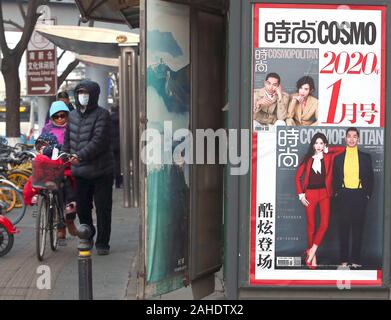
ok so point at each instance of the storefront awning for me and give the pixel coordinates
(88, 41)
(108, 62)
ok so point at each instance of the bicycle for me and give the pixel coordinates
(16, 167)
(12, 198)
(7, 232)
(48, 179)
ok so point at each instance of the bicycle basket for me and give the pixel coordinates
(47, 174)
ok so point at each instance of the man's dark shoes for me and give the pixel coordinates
(103, 251)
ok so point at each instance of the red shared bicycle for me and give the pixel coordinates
(7, 231)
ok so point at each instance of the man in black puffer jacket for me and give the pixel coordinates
(88, 139)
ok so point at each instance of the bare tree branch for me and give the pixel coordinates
(11, 62)
(61, 55)
(19, 3)
(31, 20)
(3, 42)
(12, 23)
(66, 72)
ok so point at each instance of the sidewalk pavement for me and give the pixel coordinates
(114, 276)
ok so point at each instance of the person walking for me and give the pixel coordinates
(64, 96)
(353, 185)
(88, 139)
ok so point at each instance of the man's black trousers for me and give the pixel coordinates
(100, 191)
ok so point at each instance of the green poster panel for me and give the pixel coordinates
(167, 104)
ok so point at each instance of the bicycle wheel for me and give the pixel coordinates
(25, 168)
(6, 241)
(54, 221)
(14, 203)
(18, 177)
(41, 225)
(18, 181)
(8, 197)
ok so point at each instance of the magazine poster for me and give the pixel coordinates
(317, 173)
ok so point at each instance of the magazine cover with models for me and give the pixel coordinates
(317, 200)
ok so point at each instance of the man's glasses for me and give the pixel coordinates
(60, 116)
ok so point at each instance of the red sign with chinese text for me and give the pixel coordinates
(41, 67)
(41, 72)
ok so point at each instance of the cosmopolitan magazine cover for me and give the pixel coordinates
(318, 145)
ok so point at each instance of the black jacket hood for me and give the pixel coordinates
(94, 91)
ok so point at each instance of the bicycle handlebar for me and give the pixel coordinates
(67, 156)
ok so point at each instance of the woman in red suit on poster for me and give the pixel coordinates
(314, 187)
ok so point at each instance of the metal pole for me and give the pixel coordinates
(85, 262)
(130, 125)
(125, 124)
(135, 121)
(232, 211)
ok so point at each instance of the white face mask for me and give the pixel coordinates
(84, 98)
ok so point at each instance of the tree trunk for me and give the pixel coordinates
(12, 89)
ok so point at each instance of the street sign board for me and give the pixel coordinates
(41, 67)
